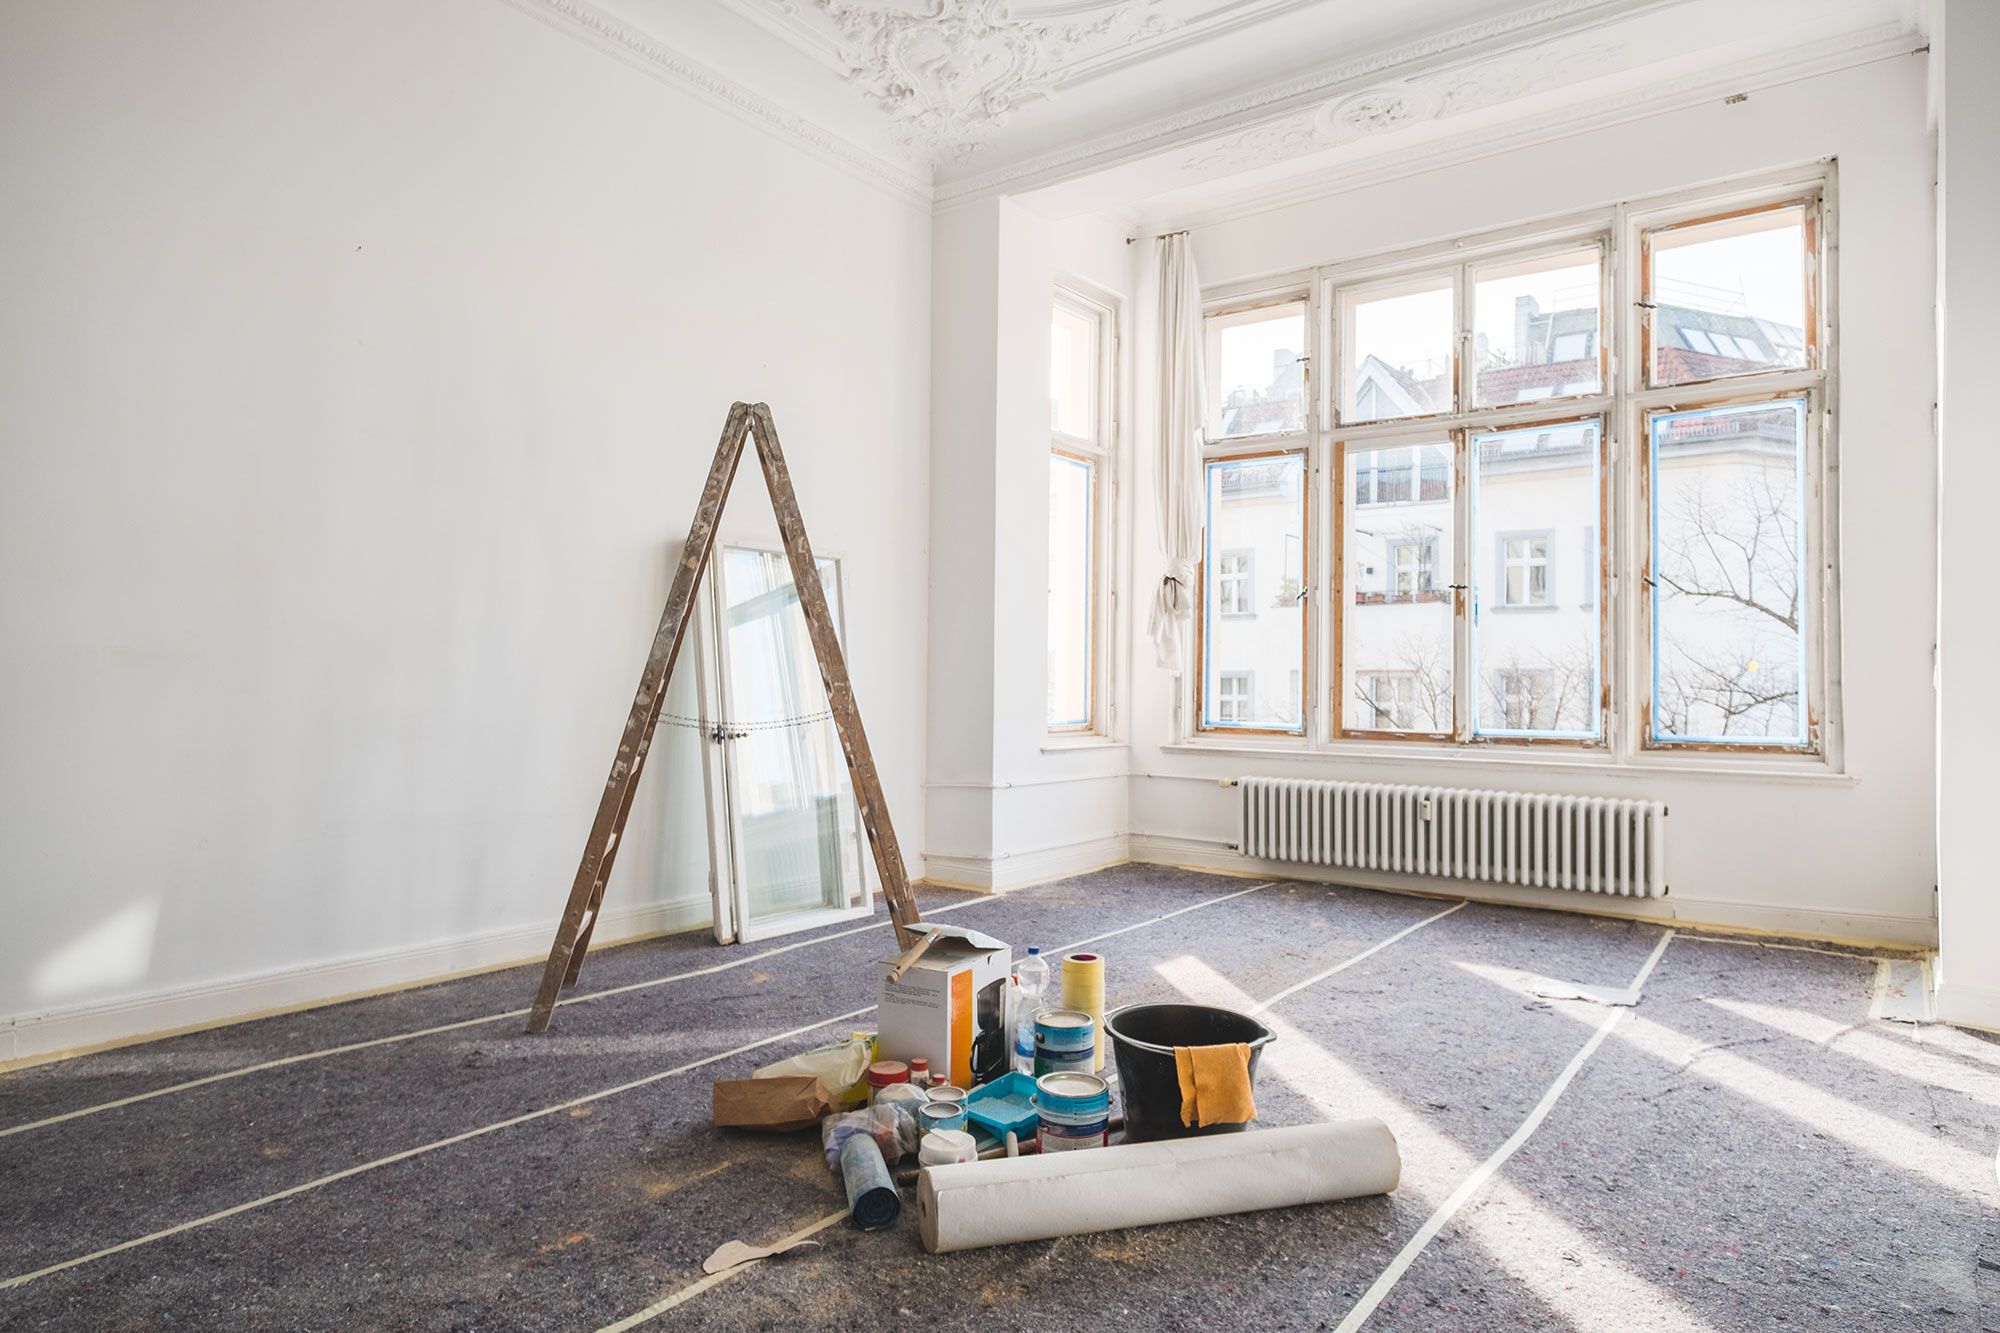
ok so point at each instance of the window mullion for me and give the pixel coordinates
(1464, 600)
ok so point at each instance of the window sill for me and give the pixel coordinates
(1417, 754)
(1063, 744)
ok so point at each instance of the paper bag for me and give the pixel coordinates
(774, 1105)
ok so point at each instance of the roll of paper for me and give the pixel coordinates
(1083, 989)
(1011, 1199)
(872, 1200)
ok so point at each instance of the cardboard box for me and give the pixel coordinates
(950, 1007)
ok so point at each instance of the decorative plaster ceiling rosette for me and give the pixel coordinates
(1378, 111)
(1382, 110)
(950, 73)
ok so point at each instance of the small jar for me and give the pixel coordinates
(883, 1074)
(920, 1072)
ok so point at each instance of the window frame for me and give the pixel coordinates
(1100, 454)
(1504, 564)
(1411, 435)
(1815, 603)
(1621, 533)
(1210, 345)
(1812, 205)
(1247, 604)
(1213, 454)
(1817, 383)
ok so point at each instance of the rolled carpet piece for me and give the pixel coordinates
(1011, 1199)
(872, 1200)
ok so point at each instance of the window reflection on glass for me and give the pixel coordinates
(1729, 296)
(1257, 371)
(1254, 640)
(1536, 634)
(1535, 329)
(1395, 594)
(1072, 374)
(1071, 578)
(1728, 565)
(1397, 348)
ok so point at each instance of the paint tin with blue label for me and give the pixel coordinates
(1065, 1042)
(1074, 1107)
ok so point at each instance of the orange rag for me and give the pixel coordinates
(1215, 1084)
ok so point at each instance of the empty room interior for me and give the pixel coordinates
(999, 664)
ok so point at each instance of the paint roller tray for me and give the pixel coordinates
(1006, 1104)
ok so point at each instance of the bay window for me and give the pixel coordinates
(1537, 539)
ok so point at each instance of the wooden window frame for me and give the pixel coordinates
(1202, 726)
(1623, 520)
(1811, 204)
(1100, 452)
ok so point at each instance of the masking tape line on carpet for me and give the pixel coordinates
(1343, 965)
(558, 1108)
(501, 1017)
(694, 1289)
(1473, 1183)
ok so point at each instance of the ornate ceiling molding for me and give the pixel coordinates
(1775, 69)
(1545, 21)
(951, 74)
(1391, 107)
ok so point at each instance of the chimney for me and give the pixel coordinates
(1526, 312)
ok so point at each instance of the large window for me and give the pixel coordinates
(1573, 476)
(1079, 454)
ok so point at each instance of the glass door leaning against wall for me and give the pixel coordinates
(785, 841)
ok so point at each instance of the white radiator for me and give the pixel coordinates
(1585, 843)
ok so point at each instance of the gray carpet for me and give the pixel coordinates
(1745, 1149)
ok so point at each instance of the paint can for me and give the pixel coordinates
(945, 1092)
(936, 1115)
(885, 1074)
(945, 1147)
(1065, 1042)
(1075, 1110)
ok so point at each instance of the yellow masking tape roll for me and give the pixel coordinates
(1083, 988)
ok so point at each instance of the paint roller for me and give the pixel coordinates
(872, 1200)
(966, 1205)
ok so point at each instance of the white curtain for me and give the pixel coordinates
(1183, 394)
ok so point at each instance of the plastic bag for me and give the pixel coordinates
(841, 1066)
(893, 1125)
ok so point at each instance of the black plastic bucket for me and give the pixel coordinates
(1143, 1037)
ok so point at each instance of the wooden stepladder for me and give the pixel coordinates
(586, 893)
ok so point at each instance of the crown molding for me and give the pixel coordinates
(1548, 20)
(649, 55)
(1828, 56)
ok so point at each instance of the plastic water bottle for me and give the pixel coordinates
(1031, 982)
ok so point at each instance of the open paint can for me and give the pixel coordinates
(936, 1115)
(1065, 1041)
(1075, 1110)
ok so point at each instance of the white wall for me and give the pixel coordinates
(1849, 856)
(1966, 39)
(1008, 804)
(359, 367)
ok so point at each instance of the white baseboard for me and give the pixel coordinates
(1016, 870)
(1819, 923)
(1967, 1006)
(38, 1036)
